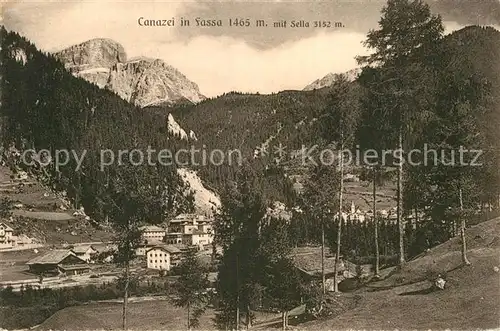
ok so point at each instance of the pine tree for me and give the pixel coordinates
(191, 288)
(237, 228)
(408, 34)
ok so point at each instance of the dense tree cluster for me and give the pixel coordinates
(45, 108)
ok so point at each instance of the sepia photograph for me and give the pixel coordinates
(249, 165)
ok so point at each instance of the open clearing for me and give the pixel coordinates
(470, 300)
(146, 315)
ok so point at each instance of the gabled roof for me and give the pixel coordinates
(82, 249)
(309, 260)
(189, 218)
(55, 256)
(153, 243)
(68, 267)
(166, 248)
(6, 227)
(151, 228)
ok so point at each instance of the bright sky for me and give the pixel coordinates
(222, 59)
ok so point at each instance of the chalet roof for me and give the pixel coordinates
(308, 259)
(67, 267)
(174, 234)
(153, 242)
(185, 216)
(6, 227)
(82, 249)
(151, 228)
(55, 256)
(180, 247)
(166, 248)
(181, 218)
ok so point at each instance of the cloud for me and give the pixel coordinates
(218, 59)
(55, 25)
(217, 63)
(222, 64)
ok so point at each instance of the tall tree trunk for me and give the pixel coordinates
(400, 203)
(465, 260)
(283, 320)
(249, 317)
(339, 232)
(375, 223)
(323, 279)
(125, 295)
(237, 293)
(77, 191)
(189, 316)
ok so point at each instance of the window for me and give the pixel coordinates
(150, 261)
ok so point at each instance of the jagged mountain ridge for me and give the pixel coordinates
(141, 81)
(328, 79)
(44, 106)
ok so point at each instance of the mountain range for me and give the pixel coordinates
(90, 116)
(329, 78)
(142, 81)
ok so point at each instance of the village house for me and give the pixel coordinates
(85, 252)
(162, 257)
(147, 245)
(190, 229)
(197, 238)
(308, 261)
(9, 240)
(6, 236)
(173, 238)
(152, 232)
(58, 261)
(354, 214)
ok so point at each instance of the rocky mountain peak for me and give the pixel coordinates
(330, 78)
(98, 52)
(142, 81)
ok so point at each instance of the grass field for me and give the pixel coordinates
(13, 264)
(147, 315)
(38, 213)
(44, 215)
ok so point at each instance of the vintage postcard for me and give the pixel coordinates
(258, 165)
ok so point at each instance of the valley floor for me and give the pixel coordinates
(470, 299)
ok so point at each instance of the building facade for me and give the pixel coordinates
(85, 252)
(153, 233)
(56, 262)
(162, 257)
(190, 229)
(6, 235)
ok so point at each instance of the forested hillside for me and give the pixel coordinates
(255, 125)
(247, 121)
(45, 107)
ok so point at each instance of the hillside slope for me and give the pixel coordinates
(470, 299)
(44, 107)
